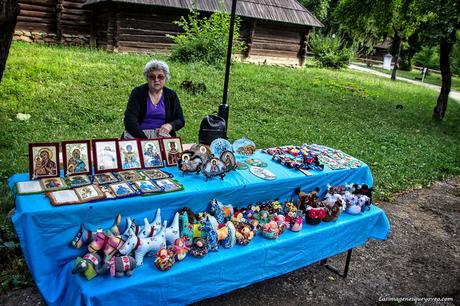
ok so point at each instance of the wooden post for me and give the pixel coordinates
(303, 46)
(59, 8)
(92, 37)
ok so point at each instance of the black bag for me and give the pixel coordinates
(212, 127)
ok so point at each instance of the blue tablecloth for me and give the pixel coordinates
(45, 232)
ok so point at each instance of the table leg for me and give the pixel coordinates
(334, 269)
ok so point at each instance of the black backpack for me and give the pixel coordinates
(212, 127)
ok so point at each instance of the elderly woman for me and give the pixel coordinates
(153, 110)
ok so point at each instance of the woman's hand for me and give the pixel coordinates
(165, 128)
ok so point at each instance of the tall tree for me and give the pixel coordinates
(370, 21)
(9, 10)
(444, 23)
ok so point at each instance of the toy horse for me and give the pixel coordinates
(142, 246)
(151, 229)
(85, 236)
(172, 232)
(131, 225)
(186, 228)
(220, 211)
(121, 265)
(108, 244)
(226, 234)
(89, 266)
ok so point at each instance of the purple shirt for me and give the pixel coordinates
(155, 115)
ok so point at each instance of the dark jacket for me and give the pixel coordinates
(137, 108)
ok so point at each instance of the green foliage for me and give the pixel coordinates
(204, 39)
(330, 51)
(76, 93)
(427, 57)
(319, 8)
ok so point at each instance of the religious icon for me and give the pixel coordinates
(105, 178)
(129, 154)
(77, 157)
(129, 175)
(155, 174)
(122, 189)
(168, 185)
(53, 183)
(146, 187)
(151, 153)
(173, 150)
(228, 158)
(78, 180)
(89, 193)
(43, 160)
(105, 153)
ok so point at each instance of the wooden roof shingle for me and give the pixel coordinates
(288, 11)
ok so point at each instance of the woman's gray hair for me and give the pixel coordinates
(156, 65)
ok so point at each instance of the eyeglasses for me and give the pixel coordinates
(159, 77)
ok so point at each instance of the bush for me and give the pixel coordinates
(330, 51)
(427, 57)
(204, 39)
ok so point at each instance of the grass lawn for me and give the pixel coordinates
(76, 93)
(430, 78)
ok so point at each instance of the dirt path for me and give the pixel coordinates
(421, 259)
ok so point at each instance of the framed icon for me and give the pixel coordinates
(76, 157)
(105, 178)
(172, 148)
(43, 160)
(129, 154)
(151, 153)
(105, 155)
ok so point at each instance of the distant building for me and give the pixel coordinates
(275, 30)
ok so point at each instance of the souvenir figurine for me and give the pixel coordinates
(363, 190)
(315, 215)
(180, 248)
(214, 167)
(244, 233)
(89, 266)
(120, 266)
(307, 199)
(199, 248)
(220, 211)
(289, 206)
(109, 244)
(263, 217)
(225, 234)
(131, 225)
(332, 211)
(296, 223)
(85, 235)
(142, 246)
(164, 259)
(270, 230)
(185, 227)
(187, 163)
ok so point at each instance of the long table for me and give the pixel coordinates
(45, 233)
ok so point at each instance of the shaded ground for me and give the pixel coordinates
(421, 259)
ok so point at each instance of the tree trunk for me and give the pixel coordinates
(397, 50)
(9, 10)
(444, 52)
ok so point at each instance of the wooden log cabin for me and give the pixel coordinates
(275, 30)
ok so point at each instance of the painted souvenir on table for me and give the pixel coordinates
(105, 155)
(104, 178)
(271, 230)
(201, 151)
(187, 163)
(199, 248)
(180, 248)
(228, 158)
(43, 160)
(262, 173)
(120, 266)
(220, 211)
(53, 183)
(151, 153)
(129, 175)
(142, 246)
(165, 259)
(225, 234)
(173, 150)
(185, 227)
(241, 166)
(169, 185)
(244, 233)
(108, 193)
(315, 215)
(89, 193)
(78, 180)
(219, 145)
(147, 187)
(85, 235)
(129, 154)
(76, 157)
(244, 146)
(122, 190)
(88, 266)
(256, 162)
(214, 167)
(156, 174)
(108, 244)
